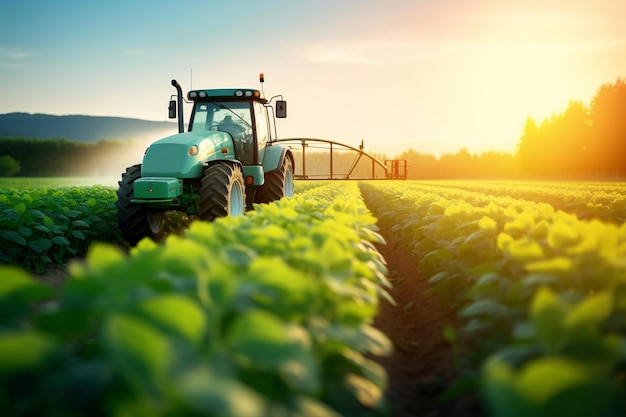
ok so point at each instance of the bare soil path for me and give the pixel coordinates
(422, 366)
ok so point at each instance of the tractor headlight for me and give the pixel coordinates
(193, 150)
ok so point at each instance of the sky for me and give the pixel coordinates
(434, 76)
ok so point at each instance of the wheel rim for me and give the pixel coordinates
(289, 184)
(236, 203)
(156, 221)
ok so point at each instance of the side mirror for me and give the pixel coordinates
(172, 109)
(281, 109)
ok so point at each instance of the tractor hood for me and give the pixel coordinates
(183, 155)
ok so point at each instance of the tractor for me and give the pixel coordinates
(223, 164)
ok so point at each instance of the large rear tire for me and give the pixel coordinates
(132, 219)
(278, 183)
(222, 192)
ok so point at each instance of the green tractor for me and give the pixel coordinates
(224, 163)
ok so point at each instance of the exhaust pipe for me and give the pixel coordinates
(181, 122)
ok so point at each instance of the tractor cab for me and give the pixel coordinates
(240, 113)
(234, 118)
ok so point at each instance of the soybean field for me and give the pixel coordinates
(370, 298)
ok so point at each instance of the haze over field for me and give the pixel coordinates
(436, 76)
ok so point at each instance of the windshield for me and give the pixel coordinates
(212, 115)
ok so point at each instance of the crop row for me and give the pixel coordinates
(541, 295)
(588, 200)
(264, 314)
(42, 225)
(45, 222)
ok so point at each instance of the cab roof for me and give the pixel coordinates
(227, 94)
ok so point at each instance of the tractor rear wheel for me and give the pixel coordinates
(222, 192)
(278, 183)
(132, 219)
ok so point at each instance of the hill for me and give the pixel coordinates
(82, 128)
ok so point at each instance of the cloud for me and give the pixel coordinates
(14, 58)
(13, 53)
(343, 52)
(376, 50)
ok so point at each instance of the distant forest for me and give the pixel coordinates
(580, 143)
(583, 142)
(64, 158)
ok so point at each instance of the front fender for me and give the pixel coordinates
(274, 156)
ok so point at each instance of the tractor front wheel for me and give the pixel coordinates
(158, 224)
(132, 218)
(222, 192)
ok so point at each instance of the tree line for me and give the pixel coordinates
(580, 142)
(65, 158)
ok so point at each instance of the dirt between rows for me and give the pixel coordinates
(421, 367)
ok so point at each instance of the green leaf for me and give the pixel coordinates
(20, 208)
(366, 392)
(562, 235)
(504, 240)
(548, 315)
(501, 392)
(37, 213)
(41, 245)
(525, 250)
(177, 314)
(439, 276)
(592, 311)
(490, 278)
(22, 351)
(18, 292)
(487, 224)
(60, 240)
(209, 394)
(307, 406)
(473, 237)
(268, 342)
(77, 234)
(80, 223)
(140, 352)
(102, 255)
(25, 231)
(272, 283)
(555, 265)
(42, 228)
(484, 307)
(546, 382)
(363, 339)
(13, 236)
